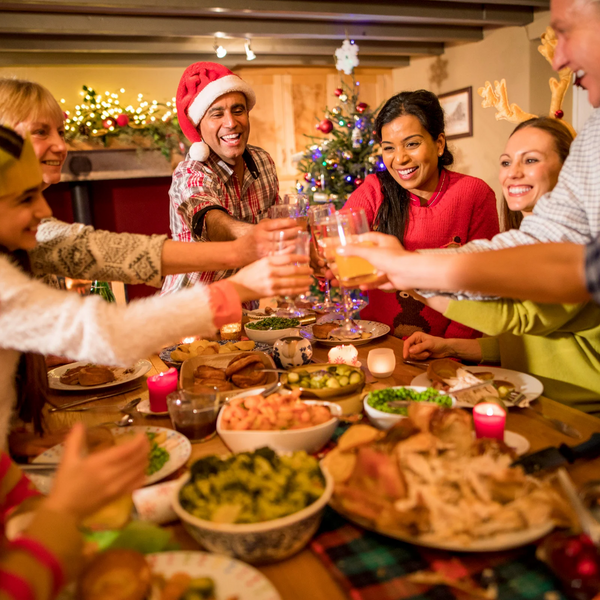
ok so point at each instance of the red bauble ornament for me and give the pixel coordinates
(107, 123)
(326, 126)
(559, 114)
(65, 115)
(122, 120)
(357, 181)
(361, 107)
(338, 92)
(307, 177)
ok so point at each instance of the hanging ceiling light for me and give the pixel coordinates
(249, 54)
(220, 51)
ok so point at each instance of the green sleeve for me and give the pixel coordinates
(490, 349)
(514, 316)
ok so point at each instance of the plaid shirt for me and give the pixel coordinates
(569, 213)
(592, 269)
(197, 185)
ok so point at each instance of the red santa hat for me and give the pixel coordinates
(200, 85)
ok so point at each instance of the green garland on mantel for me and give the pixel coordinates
(100, 121)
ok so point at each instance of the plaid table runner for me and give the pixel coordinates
(370, 566)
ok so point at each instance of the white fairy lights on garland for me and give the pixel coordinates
(100, 118)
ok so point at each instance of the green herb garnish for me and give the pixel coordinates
(380, 398)
(273, 323)
(158, 455)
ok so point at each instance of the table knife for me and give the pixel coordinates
(553, 457)
(86, 400)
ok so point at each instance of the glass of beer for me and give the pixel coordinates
(300, 201)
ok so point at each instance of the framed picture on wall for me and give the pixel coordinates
(458, 110)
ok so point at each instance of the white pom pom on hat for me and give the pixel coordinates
(199, 151)
(200, 85)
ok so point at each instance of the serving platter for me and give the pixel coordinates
(233, 578)
(495, 543)
(165, 353)
(140, 368)
(376, 329)
(178, 446)
(524, 383)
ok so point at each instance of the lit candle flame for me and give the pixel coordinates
(188, 340)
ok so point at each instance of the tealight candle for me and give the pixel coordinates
(231, 331)
(489, 420)
(381, 362)
(159, 387)
(346, 354)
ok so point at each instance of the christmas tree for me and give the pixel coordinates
(336, 165)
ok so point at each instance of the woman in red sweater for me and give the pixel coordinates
(420, 202)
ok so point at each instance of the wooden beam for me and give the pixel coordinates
(135, 26)
(399, 11)
(204, 45)
(14, 59)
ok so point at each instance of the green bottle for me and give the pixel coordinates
(103, 289)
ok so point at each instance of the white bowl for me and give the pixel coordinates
(309, 439)
(264, 542)
(270, 336)
(384, 420)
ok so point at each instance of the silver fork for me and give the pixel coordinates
(518, 398)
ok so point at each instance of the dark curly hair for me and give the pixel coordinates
(392, 217)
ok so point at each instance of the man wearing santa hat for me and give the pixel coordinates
(224, 187)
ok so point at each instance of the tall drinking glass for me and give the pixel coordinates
(316, 214)
(300, 201)
(301, 246)
(347, 229)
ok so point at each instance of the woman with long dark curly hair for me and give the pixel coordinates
(422, 203)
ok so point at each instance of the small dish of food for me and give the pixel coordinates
(386, 407)
(83, 376)
(280, 421)
(322, 333)
(271, 329)
(228, 372)
(259, 507)
(324, 380)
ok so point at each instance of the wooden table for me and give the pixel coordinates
(303, 576)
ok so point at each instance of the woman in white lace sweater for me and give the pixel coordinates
(80, 251)
(37, 319)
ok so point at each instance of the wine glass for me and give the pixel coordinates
(351, 271)
(315, 215)
(300, 245)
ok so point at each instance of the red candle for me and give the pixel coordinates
(489, 420)
(159, 387)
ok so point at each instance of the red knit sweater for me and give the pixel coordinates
(462, 209)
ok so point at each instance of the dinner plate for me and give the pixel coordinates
(233, 578)
(165, 353)
(517, 442)
(376, 329)
(140, 368)
(178, 446)
(496, 543)
(524, 383)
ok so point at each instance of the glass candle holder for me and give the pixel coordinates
(345, 354)
(489, 419)
(231, 331)
(381, 362)
(159, 387)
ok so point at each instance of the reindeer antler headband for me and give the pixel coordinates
(497, 96)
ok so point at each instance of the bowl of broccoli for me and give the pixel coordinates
(384, 416)
(257, 506)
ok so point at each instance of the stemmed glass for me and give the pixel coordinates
(316, 214)
(300, 245)
(344, 229)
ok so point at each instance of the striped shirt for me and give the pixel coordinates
(198, 185)
(569, 213)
